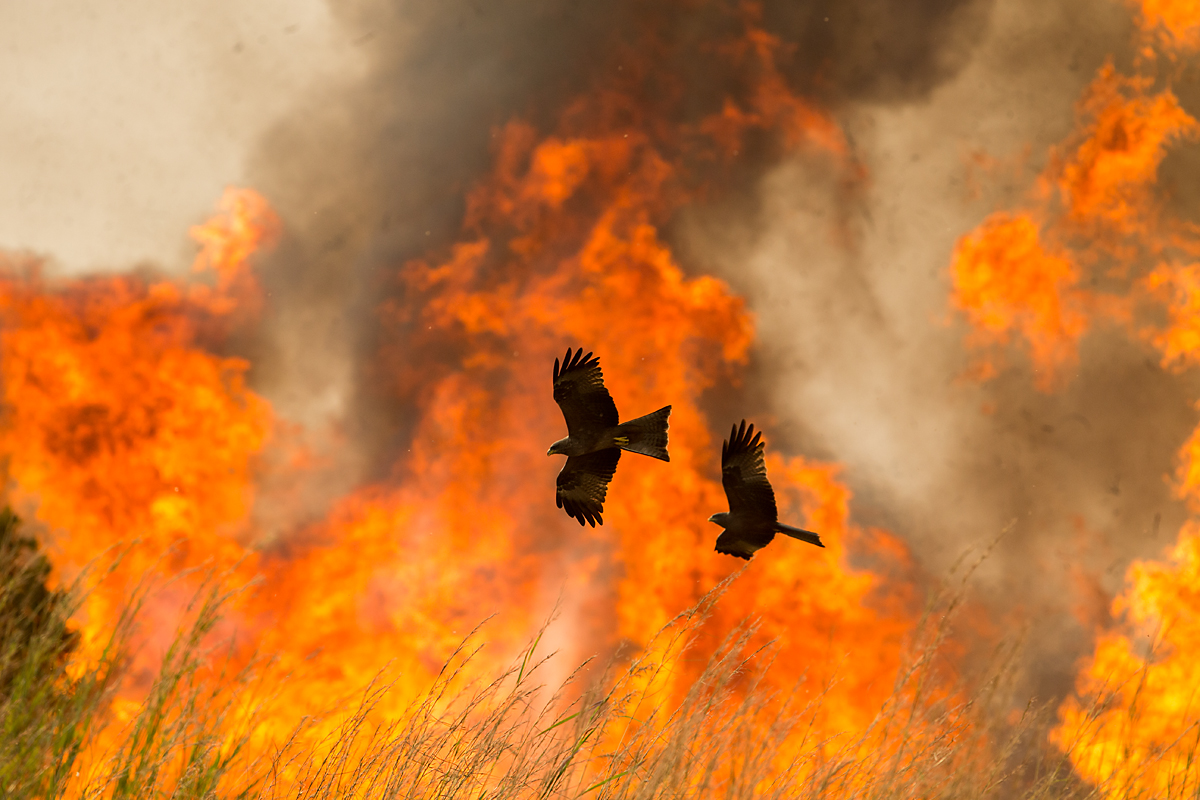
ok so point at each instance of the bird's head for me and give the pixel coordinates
(559, 448)
(719, 518)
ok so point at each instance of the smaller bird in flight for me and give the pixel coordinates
(752, 520)
(595, 437)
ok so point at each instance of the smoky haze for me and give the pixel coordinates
(858, 358)
(372, 171)
(121, 123)
(370, 120)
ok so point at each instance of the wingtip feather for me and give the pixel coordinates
(574, 358)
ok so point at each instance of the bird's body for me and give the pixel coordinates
(753, 519)
(589, 442)
(636, 436)
(596, 436)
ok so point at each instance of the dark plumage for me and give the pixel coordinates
(596, 437)
(752, 520)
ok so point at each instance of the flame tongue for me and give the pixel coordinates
(1130, 728)
(563, 249)
(123, 425)
(120, 428)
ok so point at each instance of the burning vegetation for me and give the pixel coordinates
(222, 652)
(1098, 247)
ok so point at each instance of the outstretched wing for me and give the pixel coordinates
(579, 391)
(744, 476)
(583, 483)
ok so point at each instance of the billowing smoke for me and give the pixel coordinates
(951, 109)
(371, 171)
(862, 362)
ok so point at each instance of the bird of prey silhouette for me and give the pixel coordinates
(595, 437)
(752, 520)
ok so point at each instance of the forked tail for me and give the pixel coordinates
(797, 533)
(646, 435)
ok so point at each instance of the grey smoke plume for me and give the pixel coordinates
(858, 358)
(372, 171)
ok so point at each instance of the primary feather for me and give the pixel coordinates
(580, 393)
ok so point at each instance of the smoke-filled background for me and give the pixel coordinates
(366, 125)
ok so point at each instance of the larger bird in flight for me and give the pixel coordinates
(752, 520)
(596, 437)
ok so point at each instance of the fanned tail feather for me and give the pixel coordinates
(798, 533)
(645, 435)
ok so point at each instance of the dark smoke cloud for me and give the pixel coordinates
(886, 51)
(372, 171)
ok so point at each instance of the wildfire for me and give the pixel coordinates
(124, 426)
(1134, 723)
(534, 275)
(128, 430)
(1177, 20)
(121, 427)
(1006, 281)
(1023, 273)
(1105, 182)
(1132, 726)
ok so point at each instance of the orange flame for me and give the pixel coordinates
(1134, 723)
(1105, 182)
(1180, 288)
(1006, 281)
(1131, 727)
(122, 425)
(1022, 273)
(1177, 21)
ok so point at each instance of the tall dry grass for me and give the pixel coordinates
(608, 731)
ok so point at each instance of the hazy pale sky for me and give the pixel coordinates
(121, 122)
